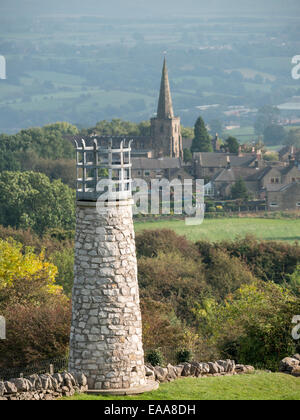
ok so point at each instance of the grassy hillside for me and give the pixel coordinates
(259, 386)
(219, 229)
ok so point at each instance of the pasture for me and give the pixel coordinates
(230, 228)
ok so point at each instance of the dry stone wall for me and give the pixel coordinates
(106, 332)
(42, 387)
(197, 369)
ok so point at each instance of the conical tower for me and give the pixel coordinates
(165, 106)
(165, 128)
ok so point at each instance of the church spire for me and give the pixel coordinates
(165, 107)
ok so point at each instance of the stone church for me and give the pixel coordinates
(166, 139)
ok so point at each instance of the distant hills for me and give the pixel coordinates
(155, 8)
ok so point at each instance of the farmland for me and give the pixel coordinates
(230, 228)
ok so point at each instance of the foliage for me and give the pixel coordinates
(155, 358)
(187, 155)
(36, 310)
(187, 132)
(239, 190)
(232, 145)
(18, 263)
(254, 325)
(183, 356)
(268, 260)
(49, 142)
(293, 138)
(201, 141)
(30, 200)
(150, 243)
(35, 332)
(294, 281)
(271, 157)
(225, 273)
(274, 134)
(173, 279)
(117, 127)
(64, 261)
(266, 116)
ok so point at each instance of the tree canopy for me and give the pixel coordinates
(201, 141)
(30, 200)
(232, 145)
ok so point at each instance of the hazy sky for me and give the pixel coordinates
(139, 8)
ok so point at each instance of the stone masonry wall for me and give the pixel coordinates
(106, 331)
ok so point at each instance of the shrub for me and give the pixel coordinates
(35, 332)
(150, 243)
(155, 358)
(254, 326)
(175, 280)
(183, 356)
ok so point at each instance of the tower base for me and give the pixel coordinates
(150, 386)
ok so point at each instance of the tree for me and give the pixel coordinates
(30, 200)
(266, 116)
(239, 190)
(187, 132)
(201, 141)
(24, 276)
(187, 155)
(293, 138)
(274, 135)
(232, 144)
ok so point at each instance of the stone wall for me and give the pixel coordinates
(42, 387)
(106, 332)
(197, 369)
(291, 365)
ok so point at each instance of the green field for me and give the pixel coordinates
(219, 229)
(259, 386)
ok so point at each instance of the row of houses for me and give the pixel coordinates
(278, 183)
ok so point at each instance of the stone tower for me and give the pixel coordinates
(165, 128)
(106, 331)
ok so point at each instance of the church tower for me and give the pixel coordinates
(165, 128)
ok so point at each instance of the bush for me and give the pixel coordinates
(155, 358)
(35, 332)
(150, 243)
(183, 356)
(254, 326)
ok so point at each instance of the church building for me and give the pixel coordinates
(165, 127)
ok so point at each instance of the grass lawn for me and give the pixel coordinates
(219, 229)
(258, 386)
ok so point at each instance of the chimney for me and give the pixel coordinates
(228, 162)
(258, 154)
